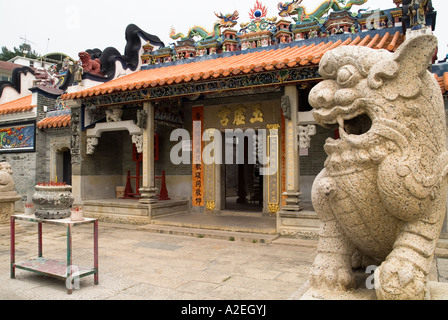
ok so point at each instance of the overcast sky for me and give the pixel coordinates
(73, 26)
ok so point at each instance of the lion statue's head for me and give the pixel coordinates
(389, 112)
(380, 102)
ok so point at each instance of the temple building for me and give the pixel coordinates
(212, 125)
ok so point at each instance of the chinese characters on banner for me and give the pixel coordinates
(273, 186)
(283, 159)
(197, 169)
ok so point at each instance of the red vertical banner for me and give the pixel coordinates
(197, 164)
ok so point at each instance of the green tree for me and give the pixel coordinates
(24, 50)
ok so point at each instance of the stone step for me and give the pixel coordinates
(168, 208)
(209, 233)
(241, 213)
(443, 243)
(263, 225)
(442, 252)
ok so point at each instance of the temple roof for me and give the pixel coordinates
(55, 122)
(297, 54)
(17, 106)
(4, 65)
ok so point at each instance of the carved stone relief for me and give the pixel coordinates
(137, 139)
(92, 142)
(75, 136)
(305, 133)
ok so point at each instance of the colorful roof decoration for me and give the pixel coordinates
(228, 66)
(55, 122)
(331, 17)
(17, 106)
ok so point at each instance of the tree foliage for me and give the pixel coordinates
(24, 50)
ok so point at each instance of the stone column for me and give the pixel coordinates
(290, 107)
(76, 143)
(148, 190)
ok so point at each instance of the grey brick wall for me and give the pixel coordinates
(51, 135)
(24, 172)
(165, 146)
(313, 163)
(108, 156)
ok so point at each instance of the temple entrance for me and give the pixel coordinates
(243, 183)
(63, 166)
(67, 166)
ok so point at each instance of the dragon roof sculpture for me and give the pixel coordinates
(225, 21)
(292, 9)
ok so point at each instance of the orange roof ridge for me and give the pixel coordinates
(355, 41)
(55, 122)
(364, 41)
(393, 43)
(373, 41)
(319, 55)
(383, 41)
(313, 53)
(19, 105)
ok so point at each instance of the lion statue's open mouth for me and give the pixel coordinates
(353, 120)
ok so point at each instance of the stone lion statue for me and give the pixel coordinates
(6, 181)
(382, 194)
(114, 114)
(90, 65)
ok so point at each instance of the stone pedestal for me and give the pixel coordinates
(148, 195)
(292, 201)
(437, 291)
(7, 204)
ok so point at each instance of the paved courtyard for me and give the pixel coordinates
(142, 265)
(136, 264)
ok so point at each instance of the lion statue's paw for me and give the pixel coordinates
(398, 279)
(331, 274)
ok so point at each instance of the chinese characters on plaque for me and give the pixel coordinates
(239, 114)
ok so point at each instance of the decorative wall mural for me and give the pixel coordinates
(18, 138)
